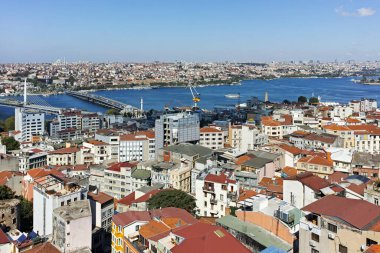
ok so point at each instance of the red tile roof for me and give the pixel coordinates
(374, 248)
(46, 247)
(291, 149)
(313, 182)
(126, 218)
(101, 197)
(65, 150)
(337, 177)
(210, 130)
(205, 238)
(147, 196)
(127, 200)
(3, 237)
(117, 166)
(289, 171)
(316, 159)
(359, 213)
(221, 179)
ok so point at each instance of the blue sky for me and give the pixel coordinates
(189, 30)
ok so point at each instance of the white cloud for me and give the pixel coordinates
(361, 12)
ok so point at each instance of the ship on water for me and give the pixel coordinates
(232, 96)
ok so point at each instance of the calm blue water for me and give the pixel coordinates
(330, 89)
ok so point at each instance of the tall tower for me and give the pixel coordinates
(266, 98)
(141, 104)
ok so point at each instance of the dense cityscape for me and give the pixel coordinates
(189, 126)
(60, 76)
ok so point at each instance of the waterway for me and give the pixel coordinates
(340, 90)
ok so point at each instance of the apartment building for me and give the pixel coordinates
(112, 138)
(337, 224)
(72, 227)
(278, 125)
(212, 138)
(139, 146)
(319, 164)
(30, 123)
(63, 156)
(176, 128)
(246, 137)
(49, 193)
(214, 194)
(10, 214)
(102, 209)
(99, 150)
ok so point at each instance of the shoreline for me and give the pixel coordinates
(149, 87)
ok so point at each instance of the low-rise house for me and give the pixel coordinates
(319, 164)
(63, 156)
(336, 223)
(303, 189)
(12, 180)
(366, 164)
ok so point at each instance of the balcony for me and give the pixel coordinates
(141, 248)
(214, 211)
(208, 189)
(213, 201)
(232, 195)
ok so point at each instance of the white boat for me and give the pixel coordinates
(232, 95)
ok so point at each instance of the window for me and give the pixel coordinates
(314, 251)
(137, 227)
(342, 249)
(369, 242)
(376, 201)
(221, 197)
(332, 228)
(314, 237)
(14, 221)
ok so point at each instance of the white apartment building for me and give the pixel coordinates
(212, 138)
(215, 193)
(122, 178)
(171, 129)
(30, 123)
(49, 193)
(341, 112)
(99, 150)
(246, 137)
(72, 226)
(140, 146)
(112, 138)
(278, 125)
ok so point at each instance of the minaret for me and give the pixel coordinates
(266, 98)
(25, 98)
(141, 104)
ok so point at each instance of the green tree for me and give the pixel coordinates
(172, 198)
(6, 193)
(10, 143)
(112, 112)
(313, 100)
(302, 99)
(9, 124)
(26, 215)
(287, 102)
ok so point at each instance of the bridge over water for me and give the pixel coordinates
(103, 101)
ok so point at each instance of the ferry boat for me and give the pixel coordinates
(232, 95)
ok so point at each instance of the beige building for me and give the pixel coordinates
(246, 137)
(211, 137)
(317, 164)
(99, 150)
(63, 156)
(337, 224)
(343, 132)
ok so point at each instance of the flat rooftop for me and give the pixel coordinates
(75, 210)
